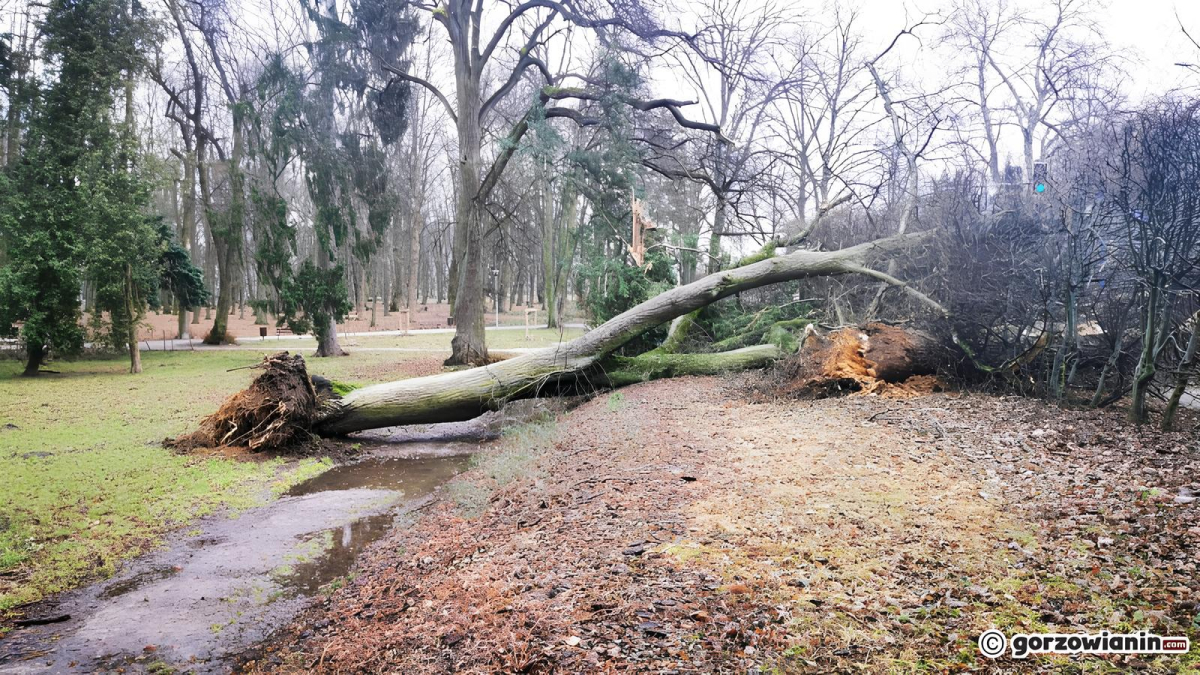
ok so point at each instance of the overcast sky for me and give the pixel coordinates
(1146, 32)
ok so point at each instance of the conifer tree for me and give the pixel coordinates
(73, 205)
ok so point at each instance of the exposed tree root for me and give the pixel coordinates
(276, 412)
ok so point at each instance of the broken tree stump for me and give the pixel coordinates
(861, 359)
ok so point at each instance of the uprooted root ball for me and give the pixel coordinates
(276, 412)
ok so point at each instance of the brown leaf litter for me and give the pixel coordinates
(680, 527)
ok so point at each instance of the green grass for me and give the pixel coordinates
(84, 480)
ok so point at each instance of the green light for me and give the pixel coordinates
(1039, 188)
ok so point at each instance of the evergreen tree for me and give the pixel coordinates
(178, 275)
(611, 172)
(73, 204)
(346, 172)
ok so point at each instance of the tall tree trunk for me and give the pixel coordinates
(1144, 373)
(371, 297)
(506, 280)
(714, 240)
(561, 256)
(549, 250)
(439, 273)
(360, 287)
(219, 333)
(35, 356)
(187, 227)
(327, 342)
(227, 237)
(469, 346)
(135, 354)
(1109, 365)
(414, 262)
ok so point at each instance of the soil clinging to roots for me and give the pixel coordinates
(276, 412)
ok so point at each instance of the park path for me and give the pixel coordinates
(673, 526)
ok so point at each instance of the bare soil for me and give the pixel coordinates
(683, 526)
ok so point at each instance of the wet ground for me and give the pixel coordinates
(227, 582)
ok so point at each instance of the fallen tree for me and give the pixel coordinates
(466, 394)
(265, 419)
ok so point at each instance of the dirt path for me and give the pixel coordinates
(677, 526)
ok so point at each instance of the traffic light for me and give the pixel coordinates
(1039, 177)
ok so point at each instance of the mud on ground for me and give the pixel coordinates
(677, 526)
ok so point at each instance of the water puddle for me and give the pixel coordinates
(415, 477)
(412, 477)
(227, 586)
(341, 549)
(137, 581)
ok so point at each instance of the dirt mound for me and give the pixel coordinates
(873, 359)
(274, 413)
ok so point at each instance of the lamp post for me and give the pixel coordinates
(496, 291)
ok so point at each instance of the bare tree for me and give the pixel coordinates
(1159, 212)
(1062, 53)
(913, 123)
(732, 71)
(520, 33)
(820, 121)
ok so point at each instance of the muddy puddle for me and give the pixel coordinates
(228, 582)
(414, 476)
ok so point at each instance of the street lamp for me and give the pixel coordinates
(496, 290)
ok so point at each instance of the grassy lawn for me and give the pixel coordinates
(84, 480)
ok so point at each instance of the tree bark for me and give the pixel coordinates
(621, 371)
(1144, 373)
(327, 343)
(135, 354)
(469, 346)
(35, 356)
(1183, 374)
(227, 237)
(465, 394)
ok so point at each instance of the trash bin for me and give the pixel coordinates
(262, 332)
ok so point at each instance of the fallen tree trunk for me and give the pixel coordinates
(621, 371)
(468, 393)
